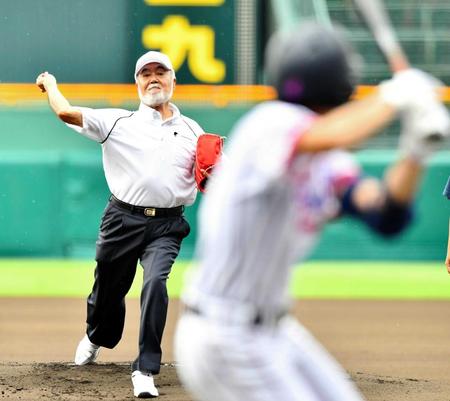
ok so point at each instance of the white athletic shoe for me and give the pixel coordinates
(86, 352)
(144, 386)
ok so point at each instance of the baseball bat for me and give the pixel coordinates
(377, 19)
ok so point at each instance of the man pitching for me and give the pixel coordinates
(148, 159)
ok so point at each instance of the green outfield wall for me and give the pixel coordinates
(53, 192)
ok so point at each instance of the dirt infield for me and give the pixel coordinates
(393, 350)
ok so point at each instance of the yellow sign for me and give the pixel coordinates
(180, 41)
(208, 3)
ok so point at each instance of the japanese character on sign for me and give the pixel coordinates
(180, 41)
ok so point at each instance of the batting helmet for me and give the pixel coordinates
(311, 65)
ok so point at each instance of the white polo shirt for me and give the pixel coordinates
(147, 161)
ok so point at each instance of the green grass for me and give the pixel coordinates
(337, 280)
(376, 280)
(64, 278)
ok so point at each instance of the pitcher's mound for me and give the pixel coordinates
(111, 381)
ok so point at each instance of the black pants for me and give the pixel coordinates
(125, 238)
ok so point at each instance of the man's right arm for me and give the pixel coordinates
(59, 104)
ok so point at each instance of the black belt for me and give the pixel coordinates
(148, 211)
(259, 318)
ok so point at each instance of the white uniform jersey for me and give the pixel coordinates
(263, 210)
(250, 237)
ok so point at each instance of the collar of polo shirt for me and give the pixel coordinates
(156, 115)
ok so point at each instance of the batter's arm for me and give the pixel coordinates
(59, 104)
(347, 125)
(410, 91)
(385, 205)
(399, 184)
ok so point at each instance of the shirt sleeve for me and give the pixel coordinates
(264, 149)
(98, 123)
(275, 154)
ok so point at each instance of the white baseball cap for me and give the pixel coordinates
(153, 57)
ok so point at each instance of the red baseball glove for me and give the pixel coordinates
(209, 150)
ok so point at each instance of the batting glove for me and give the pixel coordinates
(424, 130)
(409, 89)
